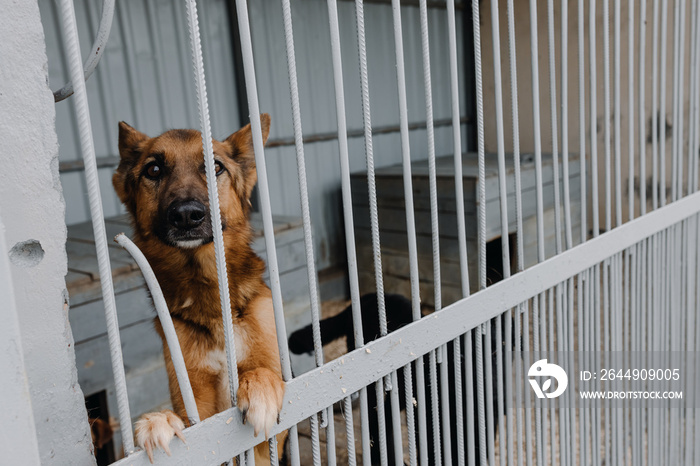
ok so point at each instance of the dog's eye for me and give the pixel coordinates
(219, 167)
(153, 170)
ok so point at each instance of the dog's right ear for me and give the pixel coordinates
(131, 142)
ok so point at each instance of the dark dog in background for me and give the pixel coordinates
(398, 314)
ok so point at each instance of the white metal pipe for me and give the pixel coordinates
(565, 120)
(71, 45)
(553, 120)
(618, 110)
(410, 218)
(166, 323)
(630, 109)
(593, 115)
(642, 107)
(265, 207)
(607, 116)
(214, 212)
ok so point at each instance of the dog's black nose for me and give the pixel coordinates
(186, 215)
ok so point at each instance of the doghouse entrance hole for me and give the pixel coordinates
(98, 416)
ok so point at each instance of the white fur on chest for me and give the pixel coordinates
(216, 361)
(216, 358)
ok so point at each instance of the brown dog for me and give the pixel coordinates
(161, 181)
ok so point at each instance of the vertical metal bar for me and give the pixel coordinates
(435, 410)
(692, 135)
(534, 57)
(597, 347)
(606, 124)
(272, 444)
(534, 54)
(219, 251)
(695, 128)
(526, 363)
(680, 87)
(519, 243)
(410, 418)
(303, 190)
(593, 115)
(469, 384)
(349, 431)
(489, 389)
(381, 422)
(71, 43)
(481, 195)
(518, 349)
(696, 419)
(264, 195)
(642, 107)
(565, 119)
(423, 8)
(552, 428)
(631, 309)
(618, 110)
(662, 106)
(630, 109)
(461, 231)
(503, 197)
(583, 421)
(571, 348)
(347, 204)
(553, 120)
(410, 217)
(691, 254)
(606, 348)
(374, 218)
(315, 440)
(560, 342)
(582, 120)
(677, 113)
(301, 174)
(539, 442)
(396, 420)
(330, 436)
(655, 108)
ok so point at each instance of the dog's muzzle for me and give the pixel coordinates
(188, 224)
(186, 215)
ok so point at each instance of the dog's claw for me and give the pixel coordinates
(164, 445)
(149, 451)
(180, 435)
(245, 415)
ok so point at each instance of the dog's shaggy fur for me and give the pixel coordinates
(161, 181)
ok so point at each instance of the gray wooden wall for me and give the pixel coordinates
(145, 79)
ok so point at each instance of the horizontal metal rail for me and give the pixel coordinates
(224, 435)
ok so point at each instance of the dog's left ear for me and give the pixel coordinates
(241, 143)
(130, 145)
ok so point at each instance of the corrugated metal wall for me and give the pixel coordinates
(144, 78)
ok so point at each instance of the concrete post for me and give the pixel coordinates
(32, 210)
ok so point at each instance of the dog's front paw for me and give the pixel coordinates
(260, 397)
(157, 429)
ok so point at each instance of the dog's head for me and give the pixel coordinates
(162, 182)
